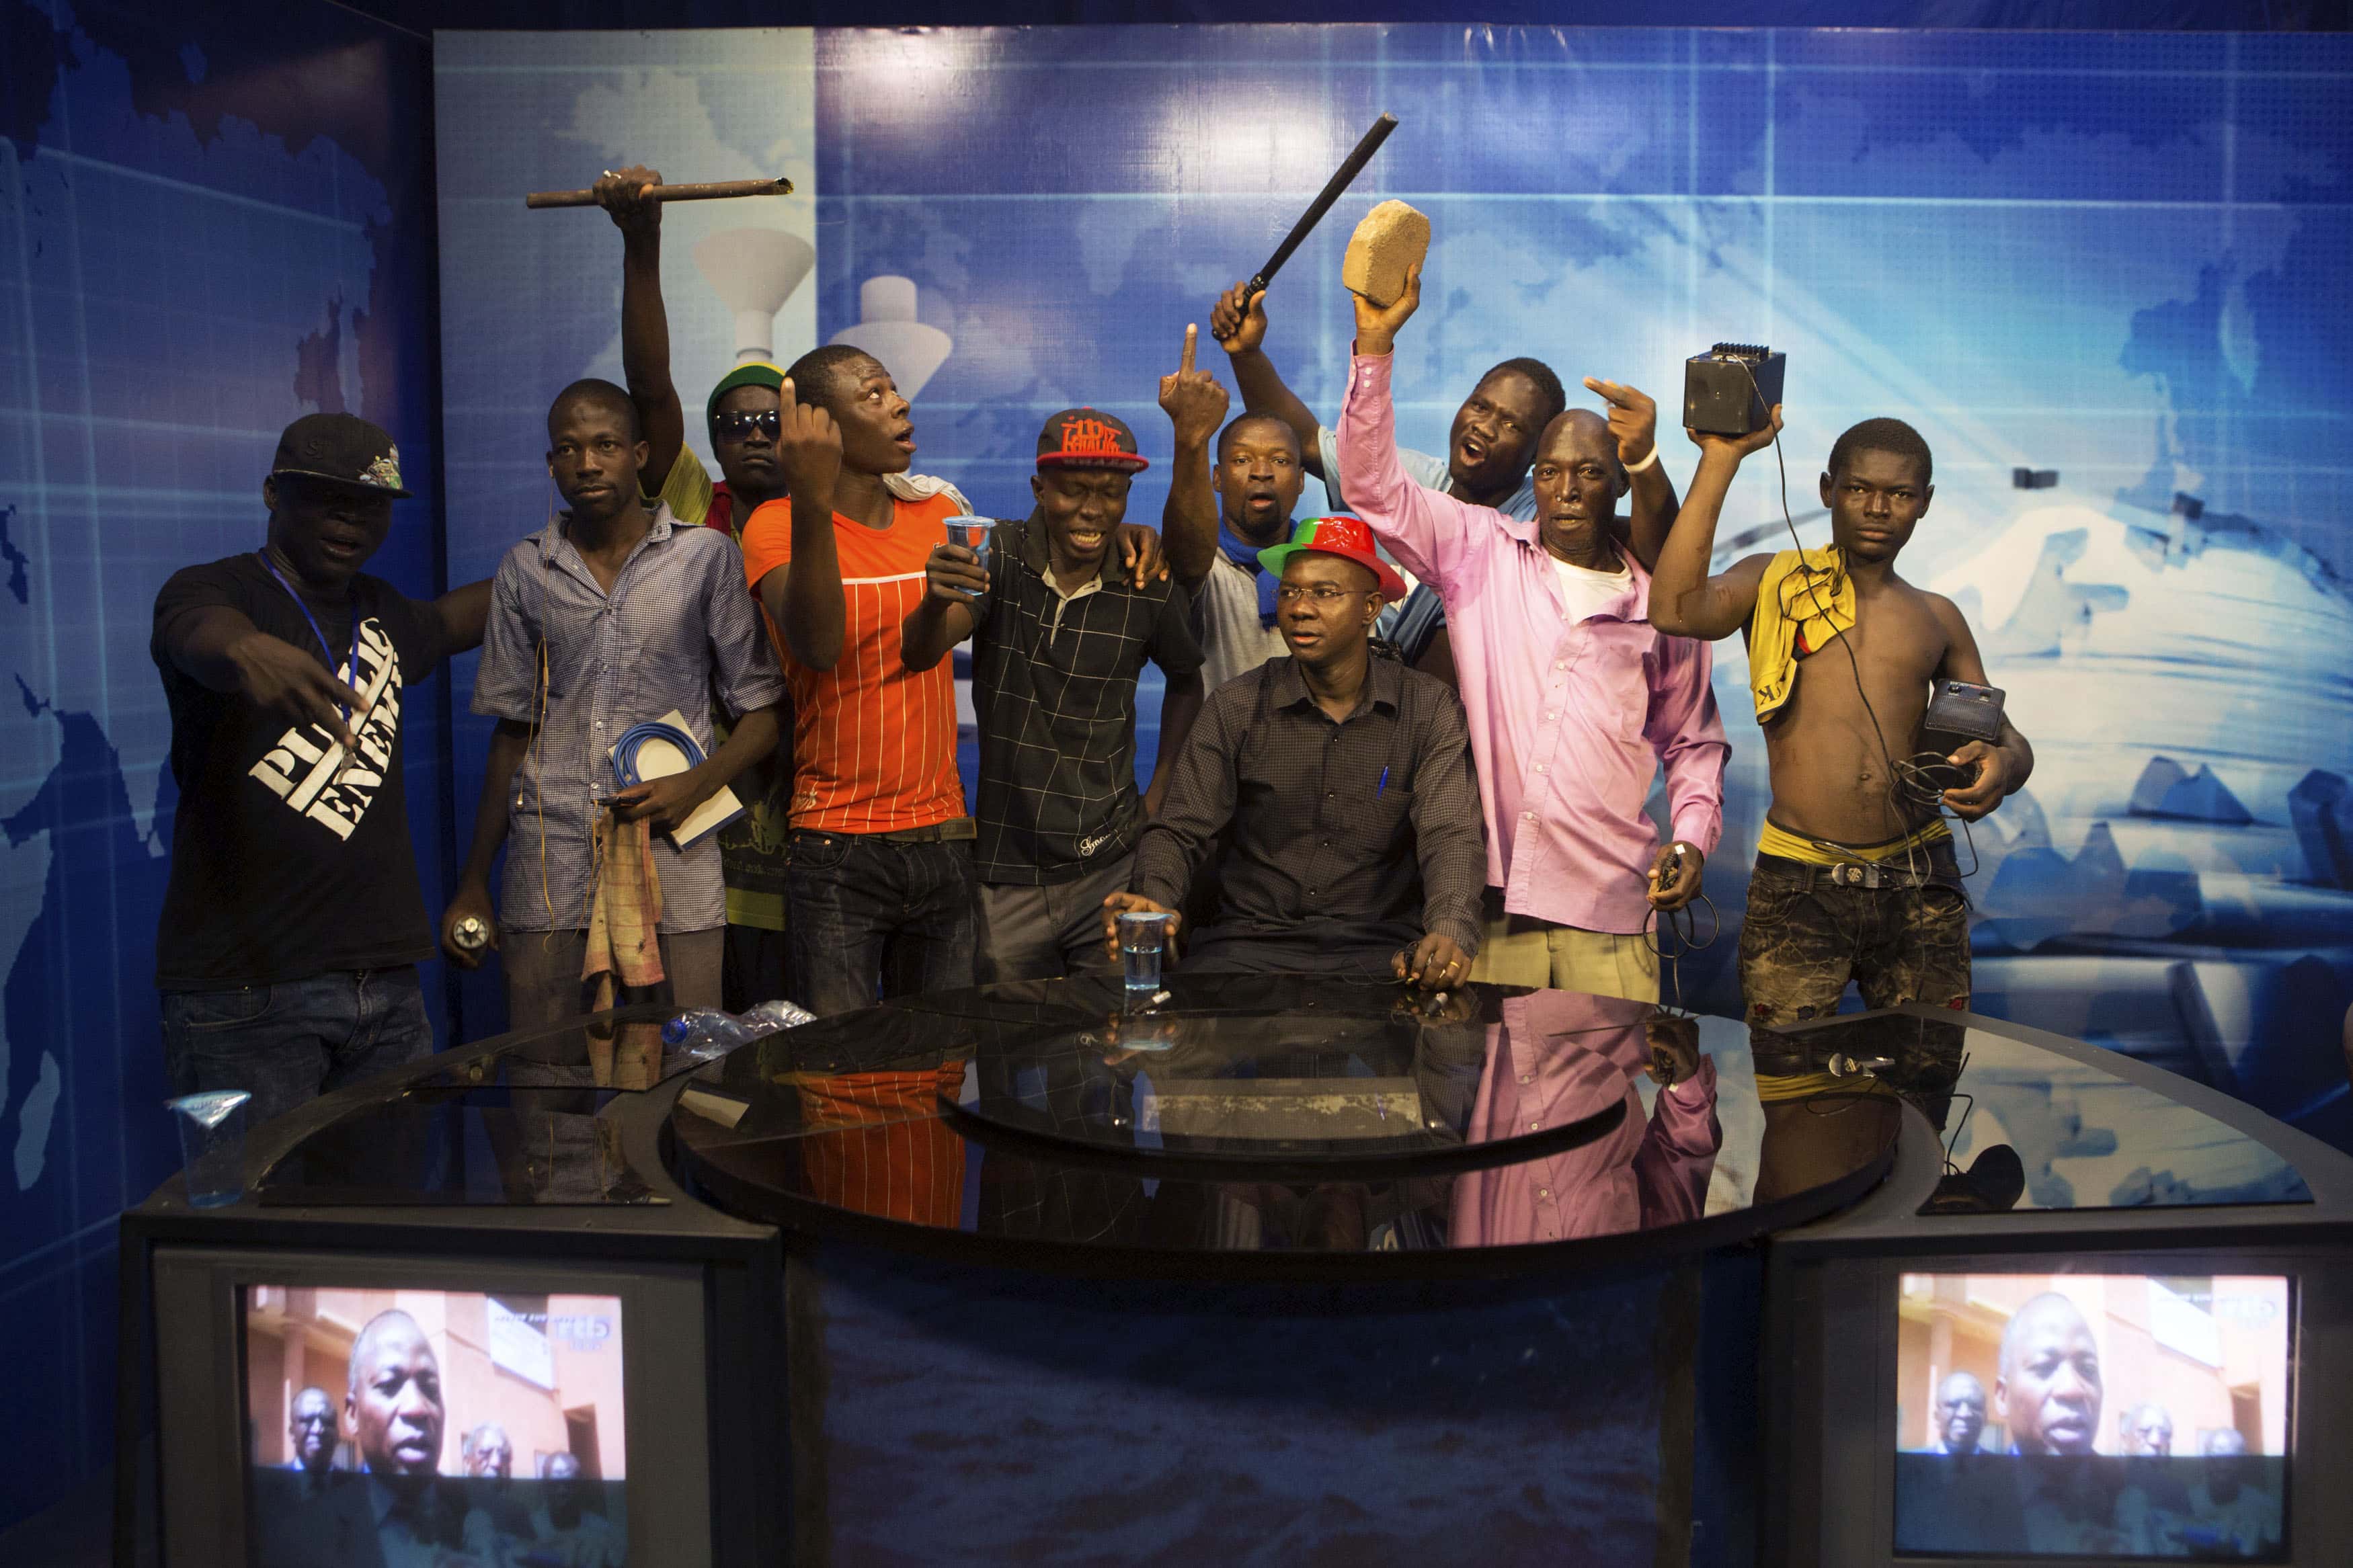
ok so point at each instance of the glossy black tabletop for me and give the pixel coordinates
(529, 1117)
(2027, 1127)
(1270, 1117)
(1281, 1115)
(1280, 1078)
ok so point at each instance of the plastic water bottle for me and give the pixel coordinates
(769, 1016)
(705, 1029)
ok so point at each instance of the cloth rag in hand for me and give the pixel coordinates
(625, 922)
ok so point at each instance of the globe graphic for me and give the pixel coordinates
(2177, 879)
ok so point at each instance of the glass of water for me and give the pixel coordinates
(212, 1144)
(1142, 938)
(972, 532)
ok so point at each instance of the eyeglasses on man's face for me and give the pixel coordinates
(1320, 592)
(734, 426)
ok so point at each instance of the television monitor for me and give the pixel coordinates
(335, 1407)
(2175, 1400)
(490, 1423)
(2122, 1416)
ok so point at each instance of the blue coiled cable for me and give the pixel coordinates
(625, 751)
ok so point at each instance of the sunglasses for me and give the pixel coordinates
(734, 426)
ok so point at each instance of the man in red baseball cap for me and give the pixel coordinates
(1340, 786)
(1059, 633)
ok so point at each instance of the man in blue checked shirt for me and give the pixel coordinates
(613, 616)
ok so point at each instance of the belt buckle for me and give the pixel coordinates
(1854, 876)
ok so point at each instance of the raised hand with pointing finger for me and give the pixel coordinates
(808, 446)
(1633, 420)
(1195, 405)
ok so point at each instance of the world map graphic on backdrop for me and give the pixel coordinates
(207, 236)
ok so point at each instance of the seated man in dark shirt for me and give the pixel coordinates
(1336, 789)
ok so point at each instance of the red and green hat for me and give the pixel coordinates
(1345, 536)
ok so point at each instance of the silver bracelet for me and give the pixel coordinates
(1646, 465)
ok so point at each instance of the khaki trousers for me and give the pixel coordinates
(1515, 950)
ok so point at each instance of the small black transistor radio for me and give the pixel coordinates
(1958, 713)
(1731, 389)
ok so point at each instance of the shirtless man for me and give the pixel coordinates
(1855, 878)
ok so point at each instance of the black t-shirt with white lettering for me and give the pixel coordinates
(289, 858)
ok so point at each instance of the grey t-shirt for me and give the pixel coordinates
(1234, 641)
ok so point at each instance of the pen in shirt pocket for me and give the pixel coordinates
(1383, 788)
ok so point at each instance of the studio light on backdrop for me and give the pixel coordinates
(753, 271)
(887, 329)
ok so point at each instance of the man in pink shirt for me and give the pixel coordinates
(1573, 697)
(1554, 1058)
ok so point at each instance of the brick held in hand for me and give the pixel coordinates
(1390, 242)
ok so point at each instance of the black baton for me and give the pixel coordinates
(1333, 190)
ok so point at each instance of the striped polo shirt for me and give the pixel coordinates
(873, 742)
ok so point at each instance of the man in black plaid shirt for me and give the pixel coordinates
(1059, 635)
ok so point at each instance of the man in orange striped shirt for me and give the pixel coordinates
(879, 898)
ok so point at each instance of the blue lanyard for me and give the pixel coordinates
(1245, 556)
(324, 646)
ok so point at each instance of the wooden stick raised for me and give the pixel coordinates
(710, 191)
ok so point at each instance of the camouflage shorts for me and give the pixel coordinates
(1805, 937)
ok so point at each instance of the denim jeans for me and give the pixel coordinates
(868, 917)
(1805, 937)
(288, 1043)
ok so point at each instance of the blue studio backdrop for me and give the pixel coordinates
(2120, 257)
(207, 228)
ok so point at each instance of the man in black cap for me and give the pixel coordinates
(1059, 635)
(294, 920)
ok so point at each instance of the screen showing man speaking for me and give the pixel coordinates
(2111, 1416)
(446, 1426)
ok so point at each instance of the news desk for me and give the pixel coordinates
(1278, 1270)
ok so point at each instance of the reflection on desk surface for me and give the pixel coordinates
(528, 1120)
(621, 1051)
(846, 1114)
(2027, 1128)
